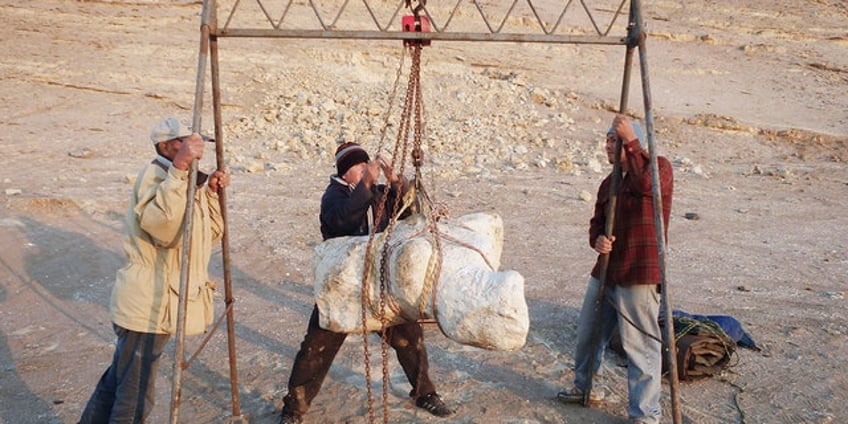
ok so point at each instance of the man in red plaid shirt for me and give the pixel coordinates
(632, 279)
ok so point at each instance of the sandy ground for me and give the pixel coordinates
(749, 100)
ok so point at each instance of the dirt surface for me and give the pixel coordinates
(749, 104)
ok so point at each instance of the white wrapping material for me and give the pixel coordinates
(475, 305)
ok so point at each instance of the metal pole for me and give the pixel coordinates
(179, 356)
(222, 199)
(610, 217)
(659, 225)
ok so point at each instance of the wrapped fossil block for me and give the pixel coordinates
(462, 289)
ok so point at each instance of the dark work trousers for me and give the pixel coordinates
(126, 393)
(320, 346)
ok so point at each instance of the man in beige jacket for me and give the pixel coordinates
(144, 302)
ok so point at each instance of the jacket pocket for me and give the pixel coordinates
(200, 308)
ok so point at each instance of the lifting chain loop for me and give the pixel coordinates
(412, 111)
(366, 289)
(415, 73)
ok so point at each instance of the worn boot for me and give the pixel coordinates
(433, 404)
(290, 418)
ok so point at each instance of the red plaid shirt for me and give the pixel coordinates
(633, 259)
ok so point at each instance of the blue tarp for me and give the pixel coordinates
(731, 326)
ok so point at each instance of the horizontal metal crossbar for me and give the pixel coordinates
(390, 35)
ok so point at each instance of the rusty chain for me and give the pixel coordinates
(411, 116)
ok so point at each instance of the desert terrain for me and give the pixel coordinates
(749, 101)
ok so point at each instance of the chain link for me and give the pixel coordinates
(410, 121)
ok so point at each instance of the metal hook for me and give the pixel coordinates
(418, 8)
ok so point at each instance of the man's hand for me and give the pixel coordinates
(603, 245)
(191, 148)
(370, 174)
(623, 128)
(388, 168)
(219, 180)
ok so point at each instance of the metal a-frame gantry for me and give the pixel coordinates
(258, 14)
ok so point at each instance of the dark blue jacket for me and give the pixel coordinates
(344, 210)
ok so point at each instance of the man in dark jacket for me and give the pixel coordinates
(348, 208)
(631, 281)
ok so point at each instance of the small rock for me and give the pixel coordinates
(692, 216)
(255, 167)
(834, 295)
(585, 196)
(278, 167)
(697, 170)
(83, 153)
(595, 165)
(13, 191)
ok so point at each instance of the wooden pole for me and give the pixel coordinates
(670, 347)
(229, 300)
(610, 218)
(179, 356)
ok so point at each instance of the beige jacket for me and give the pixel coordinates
(145, 296)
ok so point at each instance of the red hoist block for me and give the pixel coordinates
(411, 24)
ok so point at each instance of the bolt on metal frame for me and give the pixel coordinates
(273, 27)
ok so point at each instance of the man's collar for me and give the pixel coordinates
(341, 181)
(163, 161)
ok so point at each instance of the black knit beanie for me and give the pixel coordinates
(348, 155)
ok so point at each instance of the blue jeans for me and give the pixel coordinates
(126, 392)
(644, 354)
